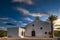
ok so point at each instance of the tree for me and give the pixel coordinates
(52, 18)
(56, 33)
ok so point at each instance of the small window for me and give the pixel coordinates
(45, 32)
(33, 25)
(22, 33)
(41, 28)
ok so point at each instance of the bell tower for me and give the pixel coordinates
(37, 17)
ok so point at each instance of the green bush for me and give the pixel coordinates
(56, 32)
(3, 33)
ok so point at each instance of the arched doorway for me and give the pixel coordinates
(33, 33)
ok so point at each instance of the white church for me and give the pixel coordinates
(37, 28)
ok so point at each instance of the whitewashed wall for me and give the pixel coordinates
(15, 32)
(20, 32)
(12, 32)
(46, 27)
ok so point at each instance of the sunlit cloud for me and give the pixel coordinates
(24, 1)
(29, 19)
(39, 14)
(24, 11)
(2, 28)
(4, 22)
(35, 14)
(4, 18)
(57, 22)
(21, 24)
(24, 24)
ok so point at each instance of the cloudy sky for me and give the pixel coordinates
(25, 11)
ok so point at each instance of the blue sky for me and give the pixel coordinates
(24, 11)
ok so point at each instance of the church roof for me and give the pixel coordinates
(39, 21)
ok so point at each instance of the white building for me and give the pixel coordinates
(37, 28)
(15, 32)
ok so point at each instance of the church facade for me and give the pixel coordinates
(37, 28)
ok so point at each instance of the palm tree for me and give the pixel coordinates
(52, 18)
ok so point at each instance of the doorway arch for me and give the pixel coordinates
(33, 33)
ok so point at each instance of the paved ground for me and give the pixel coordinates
(29, 39)
(3, 38)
